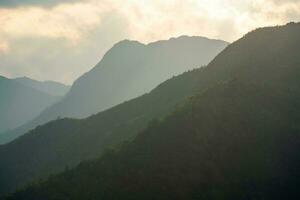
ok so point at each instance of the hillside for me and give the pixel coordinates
(49, 87)
(20, 104)
(265, 61)
(129, 69)
(237, 139)
(229, 143)
(48, 149)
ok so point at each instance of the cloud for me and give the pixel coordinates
(68, 44)
(67, 21)
(17, 3)
(68, 38)
(280, 2)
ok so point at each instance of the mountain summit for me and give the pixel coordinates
(131, 69)
(128, 70)
(237, 138)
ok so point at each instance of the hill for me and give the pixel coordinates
(49, 148)
(49, 87)
(20, 104)
(129, 69)
(237, 139)
(228, 143)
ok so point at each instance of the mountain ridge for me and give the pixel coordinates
(142, 68)
(234, 136)
(50, 87)
(20, 103)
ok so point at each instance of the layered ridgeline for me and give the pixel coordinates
(50, 148)
(20, 103)
(50, 87)
(131, 69)
(128, 70)
(238, 139)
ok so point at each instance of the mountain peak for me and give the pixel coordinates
(50, 87)
(3, 78)
(237, 137)
(126, 71)
(292, 23)
(128, 42)
(187, 38)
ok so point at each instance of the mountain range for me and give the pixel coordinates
(49, 148)
(49, 87)
(129, 69)
(20, 102)
(233, 134)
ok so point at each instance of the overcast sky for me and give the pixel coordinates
(61, 39)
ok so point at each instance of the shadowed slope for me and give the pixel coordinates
(238, 139)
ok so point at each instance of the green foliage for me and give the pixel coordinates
(237, 137)
(235, 141)
(49, 148)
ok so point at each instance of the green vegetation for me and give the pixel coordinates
(236, 137)
(235, 141)
(48, 149)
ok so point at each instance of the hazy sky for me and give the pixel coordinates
(62, 39)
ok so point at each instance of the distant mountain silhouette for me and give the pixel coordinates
(50, 87)
(131, 69)
(127, 70)
(19, 103)
(49, 148)
(237, 137)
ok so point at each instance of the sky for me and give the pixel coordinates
(62, 39)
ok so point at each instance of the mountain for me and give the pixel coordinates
(20, 104)
(49, 148)
(131, 69)
(128, 70)
(49, 87)
(237, 139)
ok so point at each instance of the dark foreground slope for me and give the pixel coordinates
(48, 149)
(265, 61)
(238, 139)
(128, 70)
(235, 141)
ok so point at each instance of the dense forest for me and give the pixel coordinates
(235, 137)
(48, 149)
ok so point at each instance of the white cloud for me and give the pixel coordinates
(67, 21)
(63, 41)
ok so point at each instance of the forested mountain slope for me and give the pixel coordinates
(245, 109)
(235, 141)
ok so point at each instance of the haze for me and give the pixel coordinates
(60, 40)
